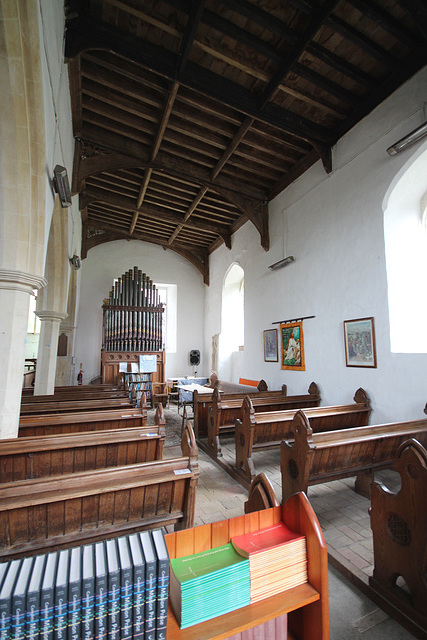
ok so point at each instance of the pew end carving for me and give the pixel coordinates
(261, 495)
(295, 456)
(399, 528)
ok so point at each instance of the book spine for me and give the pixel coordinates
(126, 589)
(88, 594)
(47, 599)
(33, 600)
(113, 591)
(6, 599)
(138, 587)
(150, 600)
(162, 583)
(61, 598)
(75, 596)
(101, 593)
(19, 601)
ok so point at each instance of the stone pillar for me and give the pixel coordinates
(47, 354)
(15, 290)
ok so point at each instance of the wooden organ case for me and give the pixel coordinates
(132, 327)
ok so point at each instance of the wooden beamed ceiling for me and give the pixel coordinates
(191, 115)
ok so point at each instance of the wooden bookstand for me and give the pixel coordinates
(307, 605)
(399, 528)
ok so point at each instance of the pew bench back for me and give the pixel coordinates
(268, 429)
(45, 514)
(224, 411)
(39, 425)
(43, 456)
(313, 458)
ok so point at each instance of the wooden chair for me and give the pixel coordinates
(160, 394)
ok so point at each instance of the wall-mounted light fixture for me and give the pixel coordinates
(412, 137)
(75, 261)
(282, 263)
(61, 185)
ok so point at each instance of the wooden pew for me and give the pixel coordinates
(312, 458)
(267, 429)
(399, 530)
(72, 389)
(202, 404)
(45, 514)
(60, 396)
(224, 411)
(43, 456)
(97, 404)
(46, 424)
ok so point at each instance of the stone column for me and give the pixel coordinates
(48, 347)
(15, 290)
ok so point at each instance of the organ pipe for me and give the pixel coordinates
(133, 314)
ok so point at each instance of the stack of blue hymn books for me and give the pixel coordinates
(116, 589)
(208, 584)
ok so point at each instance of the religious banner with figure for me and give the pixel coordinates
(292, 343)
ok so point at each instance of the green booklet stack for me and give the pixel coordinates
(208, 584)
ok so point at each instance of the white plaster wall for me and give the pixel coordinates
(334, 228)
(111, 260)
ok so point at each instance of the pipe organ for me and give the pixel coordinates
(133, 314)
(132, 327)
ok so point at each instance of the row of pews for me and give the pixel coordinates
(319, 444)
(74, 477)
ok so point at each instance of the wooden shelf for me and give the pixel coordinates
(244, 618)
(306, 606)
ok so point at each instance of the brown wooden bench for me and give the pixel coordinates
(80, 388)
(224, 411)
(202, 404)
(46, 424)
(49, 513)
(399, 530)
(97, 404)
(60, 396)
(267, 429)
(312, 458)
(42, 456)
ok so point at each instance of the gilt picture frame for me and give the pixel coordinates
(292, 345)
(359, 340)
(271, 351)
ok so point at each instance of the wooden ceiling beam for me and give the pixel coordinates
(289, 60)
(193, 21)
(360, 40)
(94, 194)
(85, 34)
(163, 164)
(375, 13)
(417, 10)
(401, 72)
(337, 63)
(246, 125)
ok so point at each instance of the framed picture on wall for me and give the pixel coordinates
(359, 339)
(292, 341)
(271, 352)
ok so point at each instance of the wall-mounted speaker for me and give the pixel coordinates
(195, 357)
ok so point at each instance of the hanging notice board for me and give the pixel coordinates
(147, 363)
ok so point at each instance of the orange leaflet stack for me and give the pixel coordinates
(277, 559)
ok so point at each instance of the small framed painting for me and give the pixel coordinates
(293, 356)
(359, 339)
(271, 353)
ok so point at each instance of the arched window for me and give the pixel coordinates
(405, 231)
(232, 323)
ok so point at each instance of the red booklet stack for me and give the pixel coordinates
(277, 559)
